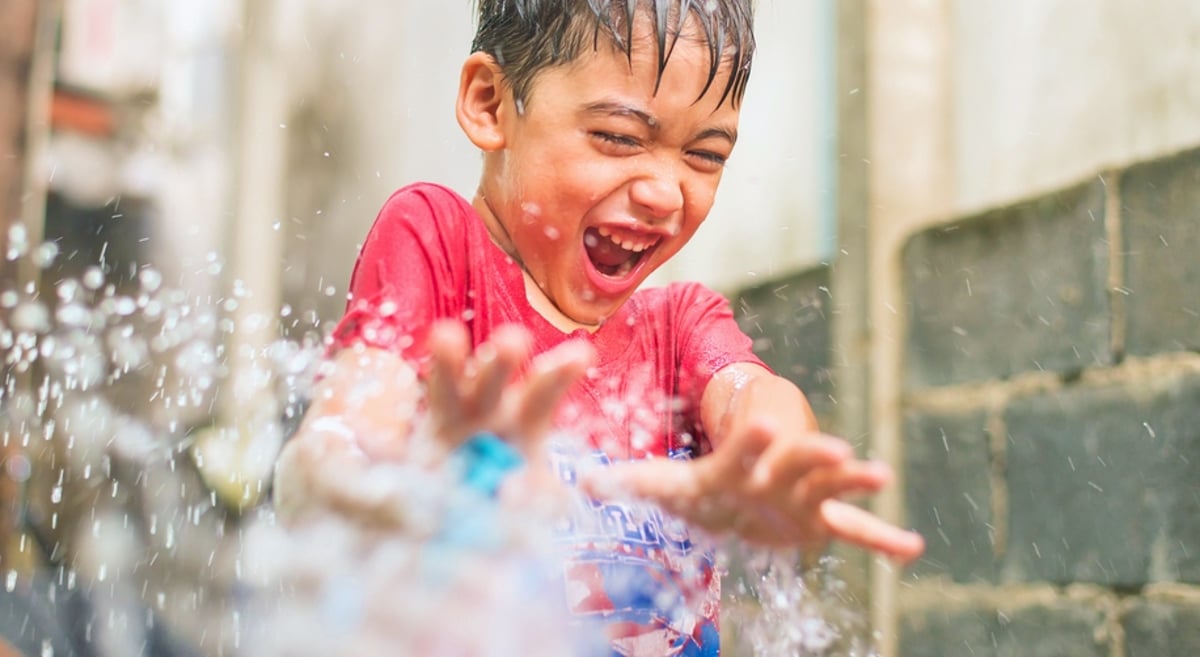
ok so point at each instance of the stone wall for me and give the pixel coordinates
(789, 321)
(1052, 422)
(1051, 417)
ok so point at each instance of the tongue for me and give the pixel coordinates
(607, 257)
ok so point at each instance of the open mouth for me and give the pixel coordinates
(615, 255)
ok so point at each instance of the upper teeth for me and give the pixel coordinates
(629, 243)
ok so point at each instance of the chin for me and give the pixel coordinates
(588, 315)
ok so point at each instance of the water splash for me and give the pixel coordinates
(151, 507)
(354, 592)
(783, 609)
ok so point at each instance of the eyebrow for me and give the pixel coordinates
(612, 108)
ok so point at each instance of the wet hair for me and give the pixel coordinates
(527, 36)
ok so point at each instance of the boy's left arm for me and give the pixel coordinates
(772, 477)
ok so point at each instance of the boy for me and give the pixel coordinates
(604, 127)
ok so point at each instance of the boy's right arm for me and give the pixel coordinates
(366, 409)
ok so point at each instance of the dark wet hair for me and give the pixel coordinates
(527, 36)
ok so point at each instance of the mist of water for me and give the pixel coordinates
(149, 503)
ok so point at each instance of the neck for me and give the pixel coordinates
(546, 308)
(533, 293)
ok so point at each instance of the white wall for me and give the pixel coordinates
(1049, 91)
(1044, 93)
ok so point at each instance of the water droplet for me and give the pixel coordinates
(32, 317)
(45, 254)
(150, 279)
(124, 306)
(93, 278)
(18, 241)
(67, 289)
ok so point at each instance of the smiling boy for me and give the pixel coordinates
(604, 128)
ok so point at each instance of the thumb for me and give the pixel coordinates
(660, 480)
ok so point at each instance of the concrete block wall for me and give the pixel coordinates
(1052, 422)
(789, 320)
(1051, 417)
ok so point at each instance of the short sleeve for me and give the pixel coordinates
(708, 338)
(407, 272)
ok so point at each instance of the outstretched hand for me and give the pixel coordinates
(473, 392)
(769, 483)
(771, 490)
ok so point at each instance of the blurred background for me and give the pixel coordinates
(969, 230)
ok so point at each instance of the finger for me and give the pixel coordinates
(551, 375)
(739, 454)
(449, 346)
(851, 477)
(789, 458)
(495, 361)
(860, 527)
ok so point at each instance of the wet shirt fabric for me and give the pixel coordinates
(629, 569)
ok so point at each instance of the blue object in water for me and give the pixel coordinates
(485, 460)
(481, 465)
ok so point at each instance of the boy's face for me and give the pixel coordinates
(601, 179)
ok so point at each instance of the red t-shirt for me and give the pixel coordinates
(429, 257)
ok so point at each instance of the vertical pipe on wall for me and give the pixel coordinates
(37, 129)
(850, 329)
(910, 122)
(33, 184)
(237, 455)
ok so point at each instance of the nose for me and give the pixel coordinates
(659, 194)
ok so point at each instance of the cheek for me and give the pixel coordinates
(698, 201)
(588, 174)
(546, 243)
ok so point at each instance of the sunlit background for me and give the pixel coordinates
(970, 230)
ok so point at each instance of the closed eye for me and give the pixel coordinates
(708, 161)
(619, 140)
(709, 156)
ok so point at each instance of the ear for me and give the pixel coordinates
(480, 97)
